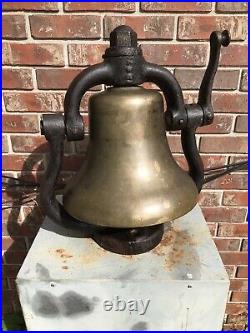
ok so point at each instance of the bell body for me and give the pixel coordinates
(129, 177)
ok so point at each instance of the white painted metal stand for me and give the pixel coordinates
(69, 283)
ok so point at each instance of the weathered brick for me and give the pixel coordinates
(230, 271)
(244, 245)
(18, 162)
(207, 199)
(146, 27)
(211, 161)
(235, 308)
(229, 102)
(30, 6)
(13, 27)
(44, 54)
(191, 79)
(242, 272)
(233, 229)
(72, 162)
(28, 143)
(85, 54)
(244, 80)
(17, 78)
(239, 296)
(65, 26)
(5, 145)
(229, 182)
(99, 6)
(241, 125)
(176, 54)
(176, 6)
(234, 55)
(224, 214)
(212, 228)
(234, 258)
(20, 123)
(200, 27)
(221, 124)
(57, 78)
(224, 244)
(218, 144)
(33, 102)
(235, 198)
(239, 285)
(231, 7)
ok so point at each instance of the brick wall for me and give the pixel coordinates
(46, 44)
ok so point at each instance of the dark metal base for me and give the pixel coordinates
(129, 241)
(126, 241)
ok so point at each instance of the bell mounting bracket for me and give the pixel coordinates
(124, 66)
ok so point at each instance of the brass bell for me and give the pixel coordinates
(129, 184)
(129, 178)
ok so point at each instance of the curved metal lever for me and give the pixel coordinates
(201, 114)
(217, 39)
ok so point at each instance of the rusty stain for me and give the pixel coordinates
(65, 267)
(63, 254)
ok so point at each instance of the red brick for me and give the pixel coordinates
(242, 272)
(174, 142)
(235, 198)
(212, 228)
(239, 296)
(241, 125)
(238, 322)
(44, 54)
(234, 258)
(20, 123)
(28, 143)
(85, 54)
(65, 26)
(235, 308)
(224, 244)
(176, 54)
(211, 161)
(99, 6)
(221, 124)
(200, 27)
(239, 285)
(217, 144)
(244, 80)
(209, 198)
(58, 78)
(191, 79)
(13, 27)
(72, 162)
(234, 55)
(22, 162)
(17, 78)
(30, 6)
(229, 182)
(233, 229)
(146, 27)
(231, 7)
(33, 102)
(228, 102)
(176, 6)
(224, 214)
(5, 145)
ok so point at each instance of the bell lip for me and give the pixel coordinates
(160, 221)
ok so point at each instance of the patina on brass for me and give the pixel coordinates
(129, 178)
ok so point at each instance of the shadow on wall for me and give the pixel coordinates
(24, 214)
